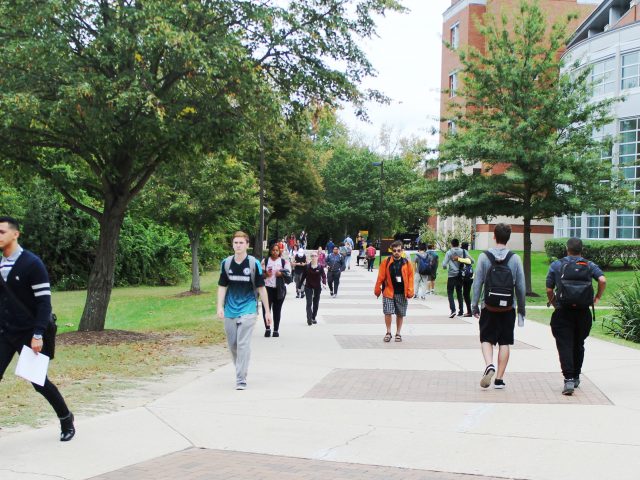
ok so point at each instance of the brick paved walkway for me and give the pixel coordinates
(439, 386)
(361, 306)
(379, 319)
(429, 342)
(202, 464)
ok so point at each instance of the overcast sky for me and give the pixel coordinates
(407, 57)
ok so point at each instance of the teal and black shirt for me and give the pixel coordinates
(241, 294)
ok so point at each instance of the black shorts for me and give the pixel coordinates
(497, 327)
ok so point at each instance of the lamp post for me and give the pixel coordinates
(381, 165)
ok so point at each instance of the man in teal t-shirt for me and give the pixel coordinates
(237, 303)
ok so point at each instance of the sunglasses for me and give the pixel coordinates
(396, 250)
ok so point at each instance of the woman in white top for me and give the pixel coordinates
(275, 285)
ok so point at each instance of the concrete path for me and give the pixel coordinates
(333, 401)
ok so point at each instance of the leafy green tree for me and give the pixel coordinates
(96, 94)
(220, 197)
(528, 129)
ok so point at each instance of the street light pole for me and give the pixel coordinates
(380, 216)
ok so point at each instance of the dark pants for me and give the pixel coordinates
(313, 300)
(11, 344)
(333, 279)
(370, 263)
(297, 278)
(466, 293)
(570, 328)
(454, 283)
(275, 305)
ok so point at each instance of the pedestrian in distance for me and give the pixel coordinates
(371, 257)
(570, 291)
(299, 263)
(348, 250)
(322, 258)
(360, 248)
(431, 278)
(240, 283)
(499, 281)
(25, 314)
(314, 279)
(423, 267)
(330, 246)
(466, 268)
(291, 243)
(277, 274)
(335, 267)
(454, 276)
(395, 283)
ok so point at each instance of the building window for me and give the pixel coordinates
(630, 70)
(598, 224)
(574, 227)
(454, 38)
(451, 127)
(453, 84)
(603, 76)
(629, 149)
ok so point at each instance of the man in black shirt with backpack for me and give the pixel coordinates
(570, 291)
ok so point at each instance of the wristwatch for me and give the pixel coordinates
(37, 337)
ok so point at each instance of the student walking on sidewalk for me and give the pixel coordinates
(240, 279)
(571, 277)
(454, 274)
(299, 263)
(335, 267)
(500, 279)
(395, 283)
(276, 272)
(371, 257)
(312, 277)
(467, 276)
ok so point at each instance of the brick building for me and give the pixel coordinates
(459, 29)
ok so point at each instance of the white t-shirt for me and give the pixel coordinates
(274, 266)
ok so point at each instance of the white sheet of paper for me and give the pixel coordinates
(32, 367)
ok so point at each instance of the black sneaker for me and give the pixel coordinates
(460, 314)
(569, 386)
(576, 382)
(486, 377)
(267, 332)
(314, 321)
(453, 314)
(308, 321)
(297, 295)
(276, 334)
(498, 384)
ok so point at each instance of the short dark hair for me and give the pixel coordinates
(397, 244)
(430, 246)
(465, 245)
(422, 246)
(574, 246)
(13, 223)
(502, 232)
(455, 242)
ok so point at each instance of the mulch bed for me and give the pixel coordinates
(107, 337)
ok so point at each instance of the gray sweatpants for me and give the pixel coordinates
(238, 332)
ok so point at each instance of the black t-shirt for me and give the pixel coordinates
(302, 259)
(395, 270)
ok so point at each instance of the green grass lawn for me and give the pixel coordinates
(88, 374)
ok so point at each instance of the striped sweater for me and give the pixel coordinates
(29, 282)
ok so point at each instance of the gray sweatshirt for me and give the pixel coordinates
(454, 266)
(482, 267)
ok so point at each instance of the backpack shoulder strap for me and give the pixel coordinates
(252, 269)
(227, 264)
(508, 257)
(490, 256)
(283, 263)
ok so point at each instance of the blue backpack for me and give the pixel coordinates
(425, 264)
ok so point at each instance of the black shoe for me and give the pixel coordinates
(267, 332)
(453, 314)
(569, 385)
(576, 381)
(67, 429)
(314, 321)
(486, 376)
(498, 384)
(276, 334)
(302, 296)
(308, 321)
(460, 314)
(297, 295)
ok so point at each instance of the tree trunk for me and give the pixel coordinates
(527, 257)
(194, 243)
(102, 272)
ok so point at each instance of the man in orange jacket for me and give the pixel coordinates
(395, 282)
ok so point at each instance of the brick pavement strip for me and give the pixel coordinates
(194, 463)
(421, 342)
(439, 386)
(361, 306)
(379, 319)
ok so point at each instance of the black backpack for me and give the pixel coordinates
(498, 285)
(575, 288)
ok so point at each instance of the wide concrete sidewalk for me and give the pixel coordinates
(336, 395)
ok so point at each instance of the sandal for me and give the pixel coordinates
(398, 337)
(387, 337)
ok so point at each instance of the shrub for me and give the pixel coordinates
(625, 320)
(602, 252)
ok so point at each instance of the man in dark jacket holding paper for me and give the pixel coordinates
(25, 312)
